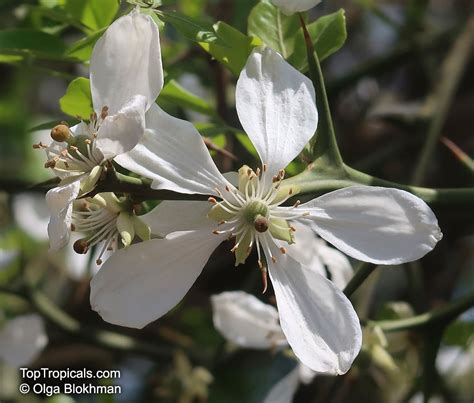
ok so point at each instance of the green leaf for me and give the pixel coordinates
(93, 14)
(78, 98)
(459, 333)
(328, 35)
(174, 93)
(275, 29)
(194, 30)
(30, 41)
(82, 49)
(236, 50)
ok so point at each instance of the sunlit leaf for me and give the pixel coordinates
(237, 49)
(274, 28)
(78, 98)
(82, 49)
(30, 41)
(93, 14)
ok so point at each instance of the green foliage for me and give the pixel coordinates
(177, 95)
(192, 29)
(459, 333)
(328, 34)
(236, 50)
(78, 98)
(82, 49)
(30, 42)
(274, 28)
(93, 14)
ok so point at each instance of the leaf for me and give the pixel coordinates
(275, 29)
(82, 49)
(93, 14)
(459, 333)
(236, 50)
(328, 34)
(194, 30)
(248, 376)
(78, 98)
(31, 41)
(174, 93)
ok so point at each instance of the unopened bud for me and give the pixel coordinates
(81, 246)
(60, 133)
(261, 223)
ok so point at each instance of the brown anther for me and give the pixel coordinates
(283, 250)
(104, 112)
(87, 141)
(215, 232)
(81, 246)
(40, 145)
(98, 262)
(292, 228)
(73, 227)
(261, 223)
(249, 172)
(50, 164)
(264, 167)
(290, 192)
(60, 133)
(212, 200)
(93, 117)
(274, 260)
(221, 222)
(227, 188)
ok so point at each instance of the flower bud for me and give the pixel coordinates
(60, 133)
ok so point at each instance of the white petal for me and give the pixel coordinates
(170, 216)
(318, 320)
(337, 263)
(139, 284)
(32, 215)
(121, 132)
(22, 339)
(285, 389)
(172, 153)
(126, 62)
(246, 321)
(374, 224)
(289, 7)
(59, 201)
(276, 106)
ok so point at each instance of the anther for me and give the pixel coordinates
(60, 133)
(290, 192)
(98, 262)
(104, 112)
(50, 164)
(227, 188)
(274, 260)
(283, 250)
(264, 167)
(249, 172)
(292, 228)
(81, 246)
(73, 227)
(212, 200)
(216, 232)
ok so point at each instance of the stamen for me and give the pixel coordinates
(283, 250)
(212, 200)
(264, 272)
(81, 246)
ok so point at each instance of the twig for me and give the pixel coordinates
(361, 274)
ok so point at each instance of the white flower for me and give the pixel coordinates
(126, 77)
(22, 339)
(289, 7)
(276, 106)
(249, 323)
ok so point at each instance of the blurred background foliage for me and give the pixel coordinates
(385, 82)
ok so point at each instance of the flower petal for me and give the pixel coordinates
(284, 390)
(172, 153)
(276, 106)
(22, 339)
(139, 284)
(121, 132)
(126, 62)
(59, 201)
(337, 264)
(318, 320)
(289, 7)
(374, 224)
(171, 216)
(246, 321)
